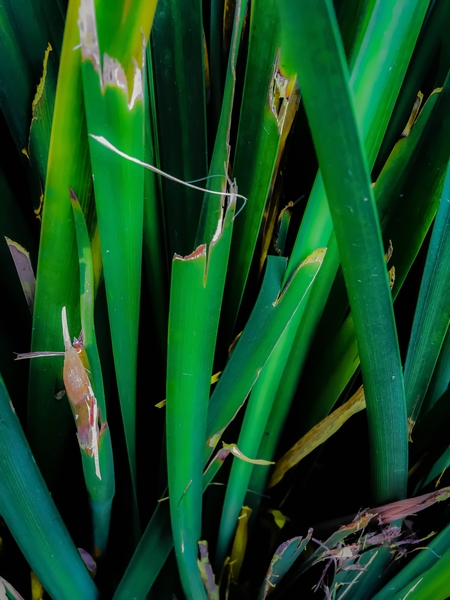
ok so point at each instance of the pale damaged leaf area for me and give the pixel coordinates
(285, 556)
(22, 262)
(315, 257)
(206, 571)
(233, 563)
(81, 397)
(317, 436)
(112, 72)
(7, 587)
(80, 393)
(238, 454)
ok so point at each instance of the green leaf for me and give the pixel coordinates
(432, 584)
(68, 166)
(375, 80)
(284, 557)
(408, 191)
(266, 97)
(112, 64)
(101, 491)
(196, 295)
(319, 60)
(31, 515)
(432, 314)
(274, 309)
(421, 563)
(219, 168)
(177, 50)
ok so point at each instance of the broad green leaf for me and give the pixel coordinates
(31, 515)
(283, 559)
(421, 563)
(101, 491)
(196, 295)
(267, 95)
(315, 49)
(68, 166)
(179, 80)
(275, 307)
(432, 314)
(432, 584)
(408, 191)
(111, 40)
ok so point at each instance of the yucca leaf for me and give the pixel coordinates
(282, 561)
(335, 134)
(31, 515)
(154, 251)
(112, 62)
(101, 491)
(68, 166)
(441, 376)
(275, 307)
(375, 79)
(432, 584)
(196, 294)
(396, 197)
(421, 563)
(26, 34)
(432, 314)
(266, 96)
(432, 36)
(219, 168)
(42, 115)
(179, 78)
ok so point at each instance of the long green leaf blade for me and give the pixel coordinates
(68, 166)
(32, 517)
(101, 491)
(196, 295)
(112, 63)
(431, 319)
(319, 60)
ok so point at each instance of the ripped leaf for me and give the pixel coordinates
(102, 491)
(410, 506)
(273, 310)
(42, 114)
(240, 543)
(197, 285)
(112, 40)
(24, 268)
(238, 454)
(82, 399)
(317, 436)
(283, 559)
(7, 591)
(206, 571)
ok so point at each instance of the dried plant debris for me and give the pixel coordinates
(354, 546)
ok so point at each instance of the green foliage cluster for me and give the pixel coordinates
(212, 190)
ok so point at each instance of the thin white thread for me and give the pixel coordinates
(104, 142)
(205, 178)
